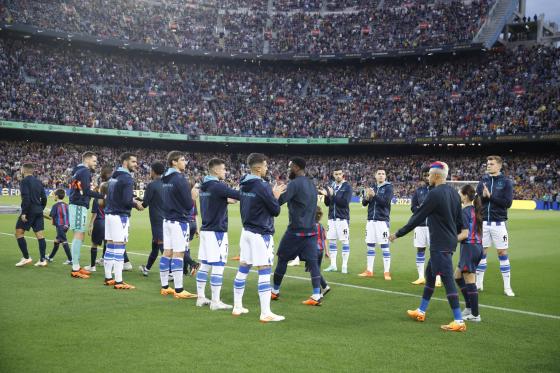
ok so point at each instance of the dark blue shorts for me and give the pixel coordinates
(192, 230)
(34, 221)
(61, 234)
(157, 231)
(471, 254)
(98, 232)
(293, 245)
(441, 263)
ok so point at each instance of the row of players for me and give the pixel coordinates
(259, 204)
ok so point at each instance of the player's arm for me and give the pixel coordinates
(43, 198)
(365, 197)
(506, 199)
(226, 192)
(463, 226)
(419, 216)
(90, 227)
(148, 196)
(86, 186)
(385, 200)
(25, 200)
(50, 215)
(327, 200)
(184, 191)
(286, 197)
(414, 202)
(480, 190)
(269, 200)
(128, 194)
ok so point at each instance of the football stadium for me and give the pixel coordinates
(235, 185)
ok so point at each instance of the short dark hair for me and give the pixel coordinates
(380, 169)
(60, 193)
(215, 162)
(300, 162)
(496, 158)
(338, 167)
(106, 173)
(255, 158)
(425, 170)
(88, 154)
(126, 156)
(173, 156)
(158, 168)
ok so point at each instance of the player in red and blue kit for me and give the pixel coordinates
(61, 220)
(321, 246)
(471, 251)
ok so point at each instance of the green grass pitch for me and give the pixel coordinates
(50, 322)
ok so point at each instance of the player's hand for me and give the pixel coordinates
(139, 206)
(194, 192)
(485, 192)
(278, 190)
(330, 190)
(370, 193)
(232, 201)
(322, 192)
(23, 218)
(392, 237)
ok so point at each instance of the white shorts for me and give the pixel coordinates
(338, 230)
(213, 247)
(175, 236)
(377, 232)
(256, 249)
(421, 237)
(116, 228)
(495, 234)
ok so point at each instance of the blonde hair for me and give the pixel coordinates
(440, 168)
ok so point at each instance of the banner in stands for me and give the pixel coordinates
(91, 131)
(274, 140)
(461, 140)
(517, 204)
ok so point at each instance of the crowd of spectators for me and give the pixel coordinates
(298, 26)
(533, 175)
(500, 92)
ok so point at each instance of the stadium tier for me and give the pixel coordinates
(501, 92)
(283, 26)
(534, 175)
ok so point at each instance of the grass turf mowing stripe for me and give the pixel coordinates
(504, 309)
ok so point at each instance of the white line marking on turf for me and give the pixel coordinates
(504, 309)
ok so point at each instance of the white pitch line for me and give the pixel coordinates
(504, 309)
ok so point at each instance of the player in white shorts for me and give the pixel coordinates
(496, 191)
(378, 199)
(337, 197)
(118, 204)
(213, 249)
(259, 205)
(177, 198)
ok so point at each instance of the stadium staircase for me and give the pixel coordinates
(499, 15)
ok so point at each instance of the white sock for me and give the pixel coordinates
(480, 270)
(164, 266)
(370, 256)
(420, 260)
(216, 282)
(345, 254)
(177, 270)
(119, 262)
(239, 285)
(506, 270)
(201, 278)
(264, 290)
(386, 258)
(109, 261)
(333, 251)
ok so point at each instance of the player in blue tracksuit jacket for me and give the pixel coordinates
(177, 206)
(442, 207)
(118, 204)
(337, 197)
(259, 205)
(80, 194)
(33, 201)
(378, 200)
(300, 238)
(496, 192)
(214, 197)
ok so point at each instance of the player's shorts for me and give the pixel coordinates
(175, 235)
(377, 232)
(256, 249)
(98, 232)
(421, 237)
(157, 230)
(440, 263)
(116, 228)
(495, 234)
(471, 254)
(213, 247)
(78, 218)
(192, 230)
(338, 230)
(319, 261)
(34, 221)
(293, 245)
(61, 233)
